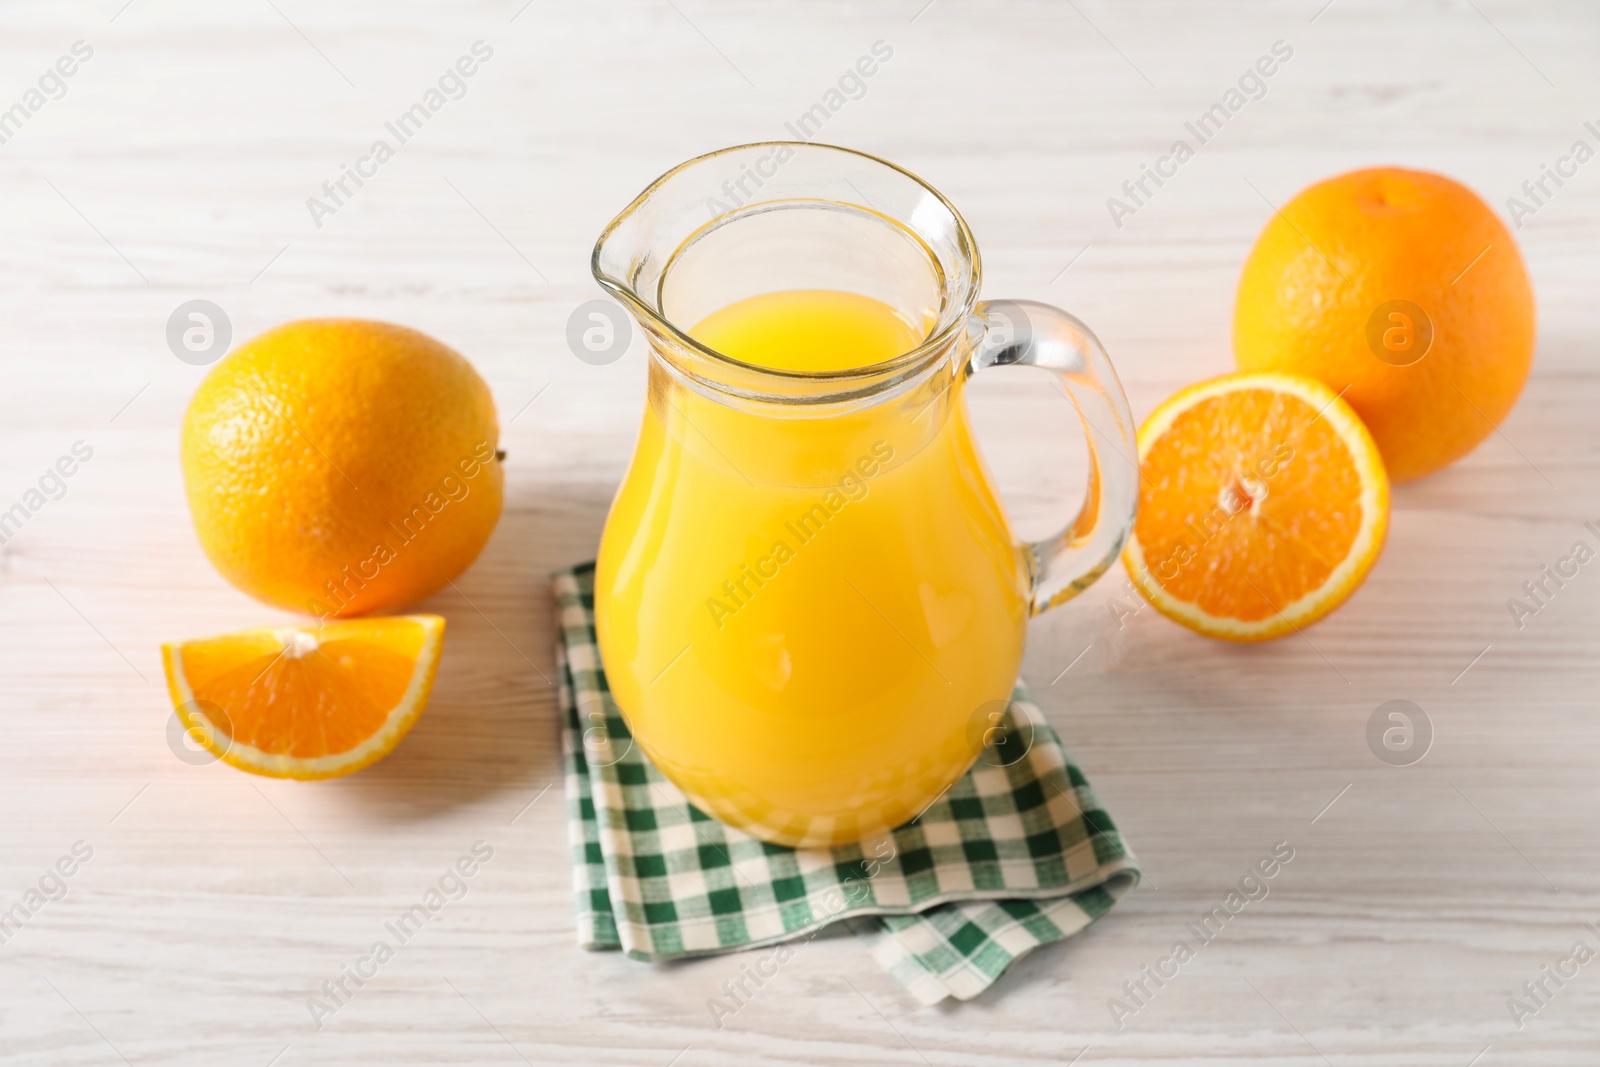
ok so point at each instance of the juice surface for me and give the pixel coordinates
(807, 618)
(808, 330)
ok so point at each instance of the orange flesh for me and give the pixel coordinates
(1262, 492)
(322, 702)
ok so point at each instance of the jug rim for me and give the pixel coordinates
(952, 318)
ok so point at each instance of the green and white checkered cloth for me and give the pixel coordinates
(1015, 855)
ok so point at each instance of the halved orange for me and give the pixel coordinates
(1263, 503)
(312, 701)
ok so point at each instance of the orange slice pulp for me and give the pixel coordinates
(1263, 504)
(306, 701)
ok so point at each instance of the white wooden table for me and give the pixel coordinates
(176, 165)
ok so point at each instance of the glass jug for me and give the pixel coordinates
(808, 598)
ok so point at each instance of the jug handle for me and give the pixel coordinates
(1030, 334)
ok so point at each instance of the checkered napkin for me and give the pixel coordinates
(1013, 856)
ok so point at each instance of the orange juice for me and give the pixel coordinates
(844, 598)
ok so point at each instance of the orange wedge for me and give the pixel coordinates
(1263, 503)
(306, 701)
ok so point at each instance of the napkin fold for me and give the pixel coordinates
(1015, 855)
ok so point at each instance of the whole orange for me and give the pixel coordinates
(1402, 290)
(340, 466)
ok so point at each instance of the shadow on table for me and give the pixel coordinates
(490, 732)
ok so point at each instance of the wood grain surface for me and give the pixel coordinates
(176, 163)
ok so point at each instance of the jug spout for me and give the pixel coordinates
(776, 216)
